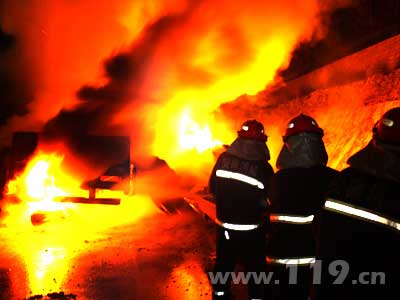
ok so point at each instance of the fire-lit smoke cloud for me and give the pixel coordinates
(167, 66)
(59, 45)
(13, 99)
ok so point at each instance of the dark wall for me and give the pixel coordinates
(350, 29)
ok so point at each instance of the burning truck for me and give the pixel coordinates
(108, 153)
(90, 169)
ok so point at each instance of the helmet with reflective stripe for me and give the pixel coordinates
(252, 129)
(387, 129)
(302, 123)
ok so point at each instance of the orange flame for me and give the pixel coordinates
(49, 253)
(220, 51)
(210, 53)
(195, 107)
(42, 181)
(39, 184)
(191, 135)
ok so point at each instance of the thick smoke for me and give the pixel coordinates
(190, 49)
(125, 72)
(59, 45)
(13, 99)
(189, 53)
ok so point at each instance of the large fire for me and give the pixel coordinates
(181, 60)
(42, 181)
(49, 249)
(192, 136)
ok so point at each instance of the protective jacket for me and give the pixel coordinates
(297, 196)
(360, 227)
(240, 182)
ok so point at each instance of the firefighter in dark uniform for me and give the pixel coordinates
(359, 237)
(240, 185)
(297, 195)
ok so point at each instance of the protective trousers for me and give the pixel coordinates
(245, 247)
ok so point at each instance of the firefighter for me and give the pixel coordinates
(297, 195)
(240, 185)
(359, 238)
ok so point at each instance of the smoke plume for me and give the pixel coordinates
(144, 68)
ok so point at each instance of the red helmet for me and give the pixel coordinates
(387, 129)
(252, 129)
(302, 123)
